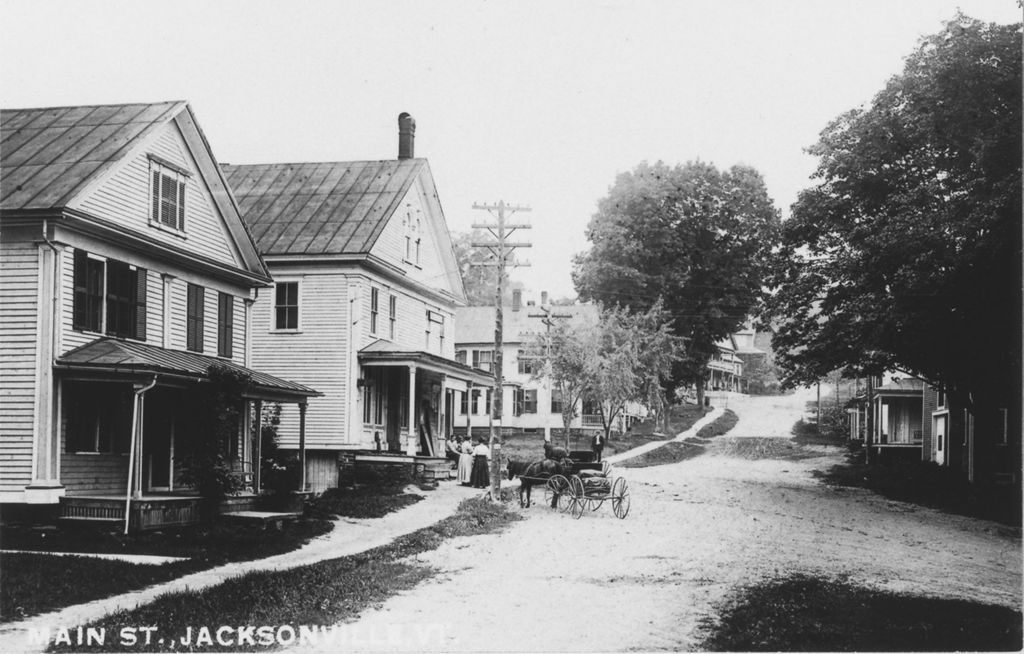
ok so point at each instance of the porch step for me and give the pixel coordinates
(73, 519)
(266, 518)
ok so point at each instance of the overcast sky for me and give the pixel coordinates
(537, 103)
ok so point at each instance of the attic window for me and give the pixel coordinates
(167, 193)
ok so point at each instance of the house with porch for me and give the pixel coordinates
(725, 368)
(362, 308)
(898, 405)
(127, 273)
(531, 405)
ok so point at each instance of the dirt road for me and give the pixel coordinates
(697, 530)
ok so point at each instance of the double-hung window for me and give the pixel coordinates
(530, 401)
(167, 191)
(392, 316)
(482, 359)
(194, 318)
(556, 401)
(225, 324)
(286, 305)
(374, 309)
(109, 297)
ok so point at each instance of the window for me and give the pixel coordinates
(408, 248)
(517, 401)
(168, 194)
(487, 403)
(435, 318)
(556, 401)
(526, 363)
(286, 305)
(98, 417)
(530, 401)
(392, 316)
(460, 356)
(463, 403)
(940, 398)
(475, 404)
(110, 297)
(417, 252)
(482, 359)
(374, 309)
(195, 311)
(88, 302)
(225, 324)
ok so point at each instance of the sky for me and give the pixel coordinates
(537, 103)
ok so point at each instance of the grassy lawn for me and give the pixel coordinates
(323, 593)
(928, 485)
(801, 613)
(37, 583)
(688, 449)
(531, 447)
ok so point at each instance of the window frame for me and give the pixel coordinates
(289, 309)
(529, 400)
(116, 309)
(392, 315)
(374, 309)
(556, 399)
(159, 171)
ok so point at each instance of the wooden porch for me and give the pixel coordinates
(150, 511)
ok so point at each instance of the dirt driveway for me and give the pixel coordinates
(697, 530)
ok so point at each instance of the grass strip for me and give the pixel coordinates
(801, 613)
(323, 593)
(677, 451)
(37, 583)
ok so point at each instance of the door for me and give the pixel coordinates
(158, 446)
(395, 400)
(939, 443)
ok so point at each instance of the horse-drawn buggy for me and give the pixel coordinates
(571, 485)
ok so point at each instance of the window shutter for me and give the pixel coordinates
(140, 303)
(80, 298)
(156, 195)
(181, 205)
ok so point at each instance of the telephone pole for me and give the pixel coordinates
(501, 250)
(548, 319)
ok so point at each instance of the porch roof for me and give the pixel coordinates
(112, 356)
(901, 388)
(386, 353)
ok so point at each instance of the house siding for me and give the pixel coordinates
(124, 198)
(19, 279)
(315, 356)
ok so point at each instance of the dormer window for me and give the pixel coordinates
(167, 194)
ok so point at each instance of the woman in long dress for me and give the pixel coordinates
(480, 478)
(465, 461)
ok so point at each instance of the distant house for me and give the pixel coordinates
(898, 405)
(127, 272)
(725, 368)
(362, 308)
(531, 405)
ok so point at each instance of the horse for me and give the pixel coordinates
(534, 473)
(555, 453)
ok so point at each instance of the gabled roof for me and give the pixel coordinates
(476, 324)
(321, 208)
(51, 154)
(116, 356)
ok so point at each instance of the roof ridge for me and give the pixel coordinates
(95, 106)
(340, 162)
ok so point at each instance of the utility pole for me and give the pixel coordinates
(501, 250)
(548, 319)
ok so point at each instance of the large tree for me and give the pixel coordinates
(906, 253)
(692, 236)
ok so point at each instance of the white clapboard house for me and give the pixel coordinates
(362, 308)
(126, 272)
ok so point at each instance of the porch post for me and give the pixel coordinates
(469, 409)
(302, 444)
(410, 443)
(139, 450)
(442, 417)
(257, 481)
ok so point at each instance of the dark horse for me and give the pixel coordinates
(555, 453)
(531, 474)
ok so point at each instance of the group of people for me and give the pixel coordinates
(471, 455)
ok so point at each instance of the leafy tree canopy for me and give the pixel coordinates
(696, 238)
(905, 254)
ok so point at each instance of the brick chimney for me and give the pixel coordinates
(406, 135)
(517, 298)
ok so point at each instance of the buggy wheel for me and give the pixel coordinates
(579, 497)
(556, 492)
(620, 498)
